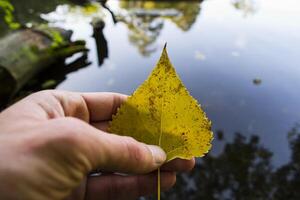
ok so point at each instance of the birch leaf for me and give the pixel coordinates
(162, 112)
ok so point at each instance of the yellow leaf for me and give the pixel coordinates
(162, 112)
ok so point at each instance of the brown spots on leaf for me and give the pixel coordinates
(184, 126)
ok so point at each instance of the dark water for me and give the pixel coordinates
(239, 58)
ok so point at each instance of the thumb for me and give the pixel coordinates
(96, 149)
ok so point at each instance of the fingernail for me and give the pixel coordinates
(158, 154)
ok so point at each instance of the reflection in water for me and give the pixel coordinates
(101, 43)
(58, 73)
(246, 6)
(103, 4)
(66, 14)
(257, 81)
(29, 11)
(143, 32)
(200, 56)
(79, 2)
(145, 20)
(242, 171)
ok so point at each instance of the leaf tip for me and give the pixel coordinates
(164, 54)
(165, 46)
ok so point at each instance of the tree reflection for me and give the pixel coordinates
(101, 42)
(287, 178)
(242, 171)
(145, 20)
(246, 6)
(29, 11)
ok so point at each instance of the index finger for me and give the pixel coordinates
(103, 105)
(179, 165)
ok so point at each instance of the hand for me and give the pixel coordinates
(51, 140)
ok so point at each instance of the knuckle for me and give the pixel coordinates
(136, 152)
(43, 93)
(130, 140)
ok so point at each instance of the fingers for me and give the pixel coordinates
(179, 165)
(117, 187)
(51, 104)
(103, 105)
(100, 106)
(94, 149)
(56, 103)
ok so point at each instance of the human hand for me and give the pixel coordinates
(51, 140)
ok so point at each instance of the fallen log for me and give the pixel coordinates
(27, 52)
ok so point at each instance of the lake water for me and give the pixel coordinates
(239, 58)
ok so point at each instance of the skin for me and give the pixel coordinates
(51, 140)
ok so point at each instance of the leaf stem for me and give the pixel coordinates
(159, 143)
(158, 184)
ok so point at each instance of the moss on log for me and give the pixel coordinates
(25, 53)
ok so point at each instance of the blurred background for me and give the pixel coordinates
(239, 58)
